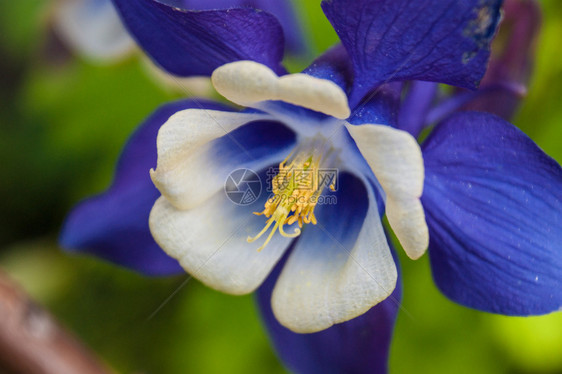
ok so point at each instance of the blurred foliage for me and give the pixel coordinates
(62, 124)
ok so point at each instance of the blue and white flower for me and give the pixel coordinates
(478, 193)
(197, 224)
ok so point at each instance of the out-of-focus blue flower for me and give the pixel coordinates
(482, 194)
(93, 27)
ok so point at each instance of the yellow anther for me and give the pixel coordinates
(296, 189)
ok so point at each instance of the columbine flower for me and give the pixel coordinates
(483, 195)
(347, 251)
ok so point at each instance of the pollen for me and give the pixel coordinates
(296, 189)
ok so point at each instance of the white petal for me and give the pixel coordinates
(210, 243)
(328, 280)
(186, 173)
(396, 159)
(93, 28)
(245, 82)
(248, 82)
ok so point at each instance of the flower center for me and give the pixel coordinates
(296, 188)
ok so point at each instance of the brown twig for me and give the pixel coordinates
(32, 342)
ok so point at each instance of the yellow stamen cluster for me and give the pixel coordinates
(296, 190)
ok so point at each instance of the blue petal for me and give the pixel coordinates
(510, 69)
(358, 346)
(187, 43)
(333, 65)
(445, 41)
(507, 77)
(493, 203)
(114, 225)
(380, 107)
(284, 12)
(281, 9)
(416, 106)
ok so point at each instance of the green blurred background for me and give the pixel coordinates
(63, 121)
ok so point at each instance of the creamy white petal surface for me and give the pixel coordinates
(331, 278)
(93, 28)
(186, 173)
(248, 83)
(396, 160)
(210, 243)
